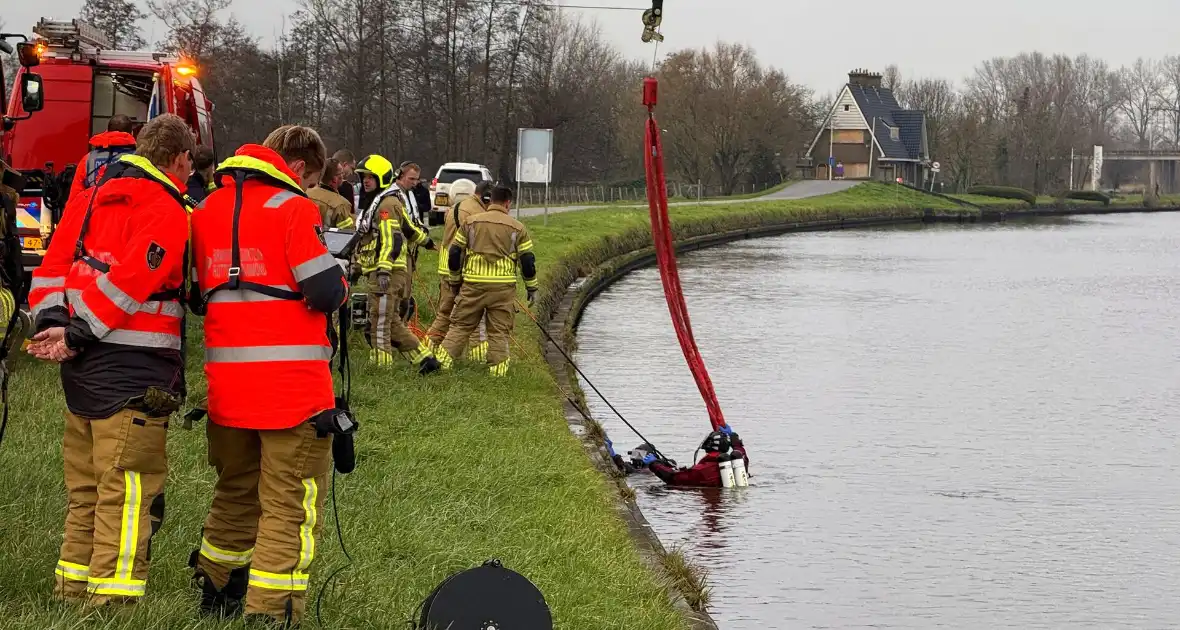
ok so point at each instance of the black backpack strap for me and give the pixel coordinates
(235, 281)
(116, 170)
(119, 170)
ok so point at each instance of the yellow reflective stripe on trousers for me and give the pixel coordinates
(500, 369)
(72, 571)
(307, 527)
(116, 586)
(225, 557)
(279, 581)
(129, 530)
(420, 354)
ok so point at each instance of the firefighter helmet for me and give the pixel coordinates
(380, 168)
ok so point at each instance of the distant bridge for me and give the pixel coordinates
(1146, 155)
(1163, 166)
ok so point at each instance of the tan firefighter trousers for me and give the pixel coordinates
(477, 300)
(114, 472)
(442, 319)
(386, 331)
(266, 513)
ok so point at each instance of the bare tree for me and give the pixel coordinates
(1142, 87)
(118, 20)
(730, 113)
(10, 66)
(1170, 97)
(939, 100)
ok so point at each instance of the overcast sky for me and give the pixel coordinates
(818, 42)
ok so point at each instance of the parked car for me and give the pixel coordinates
(448, 174)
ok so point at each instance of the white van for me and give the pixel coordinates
(448, 174)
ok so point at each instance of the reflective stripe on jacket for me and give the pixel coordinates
(493, 243)
(335, 211)
(267, 358)
(128, 336)
(467, 208)
(386, 247)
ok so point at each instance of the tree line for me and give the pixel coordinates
(452, 80)
(1015, 120)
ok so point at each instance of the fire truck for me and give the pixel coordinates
(86, 82)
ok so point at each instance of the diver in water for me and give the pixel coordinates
(707, 472)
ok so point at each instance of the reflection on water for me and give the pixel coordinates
(949, 427)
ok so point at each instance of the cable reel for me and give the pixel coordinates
(488, 597)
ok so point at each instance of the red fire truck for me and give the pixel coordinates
(85, 82)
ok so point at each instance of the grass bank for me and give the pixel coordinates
(452, 470)
(1048, 201)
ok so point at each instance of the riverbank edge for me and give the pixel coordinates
(572, 289)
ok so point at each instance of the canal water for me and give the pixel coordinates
(949, 427)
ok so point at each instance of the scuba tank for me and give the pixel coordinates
(741, 476)
(725, 464)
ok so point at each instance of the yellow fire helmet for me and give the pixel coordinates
(378, 167)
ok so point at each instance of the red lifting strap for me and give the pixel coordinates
(661, 233)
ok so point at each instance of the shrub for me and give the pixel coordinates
(1088, 195)
(1004, 192)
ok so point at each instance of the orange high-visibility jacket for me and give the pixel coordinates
(105, 148)
(117, 289)
(267, 356)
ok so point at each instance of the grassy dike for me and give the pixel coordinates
(452, 470)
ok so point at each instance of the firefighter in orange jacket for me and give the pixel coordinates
(268, 284)
(105, 149)
(107, 302)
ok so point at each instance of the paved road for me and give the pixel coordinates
(798, 190)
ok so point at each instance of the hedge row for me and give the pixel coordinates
(1087, 195)
(1004, 192)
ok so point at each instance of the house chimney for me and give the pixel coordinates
(865, 78)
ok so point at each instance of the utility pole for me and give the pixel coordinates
(1071, 168)
(831, 143)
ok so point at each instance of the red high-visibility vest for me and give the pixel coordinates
(267, 357)
(123, 276)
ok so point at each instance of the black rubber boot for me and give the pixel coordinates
(430, 365)
(266, 622)
(225, 603)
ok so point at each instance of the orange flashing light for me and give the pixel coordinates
(40, 49)
(186, 69)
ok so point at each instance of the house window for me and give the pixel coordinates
(847, 108)
(895, 133)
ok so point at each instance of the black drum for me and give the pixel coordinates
(488, 597)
